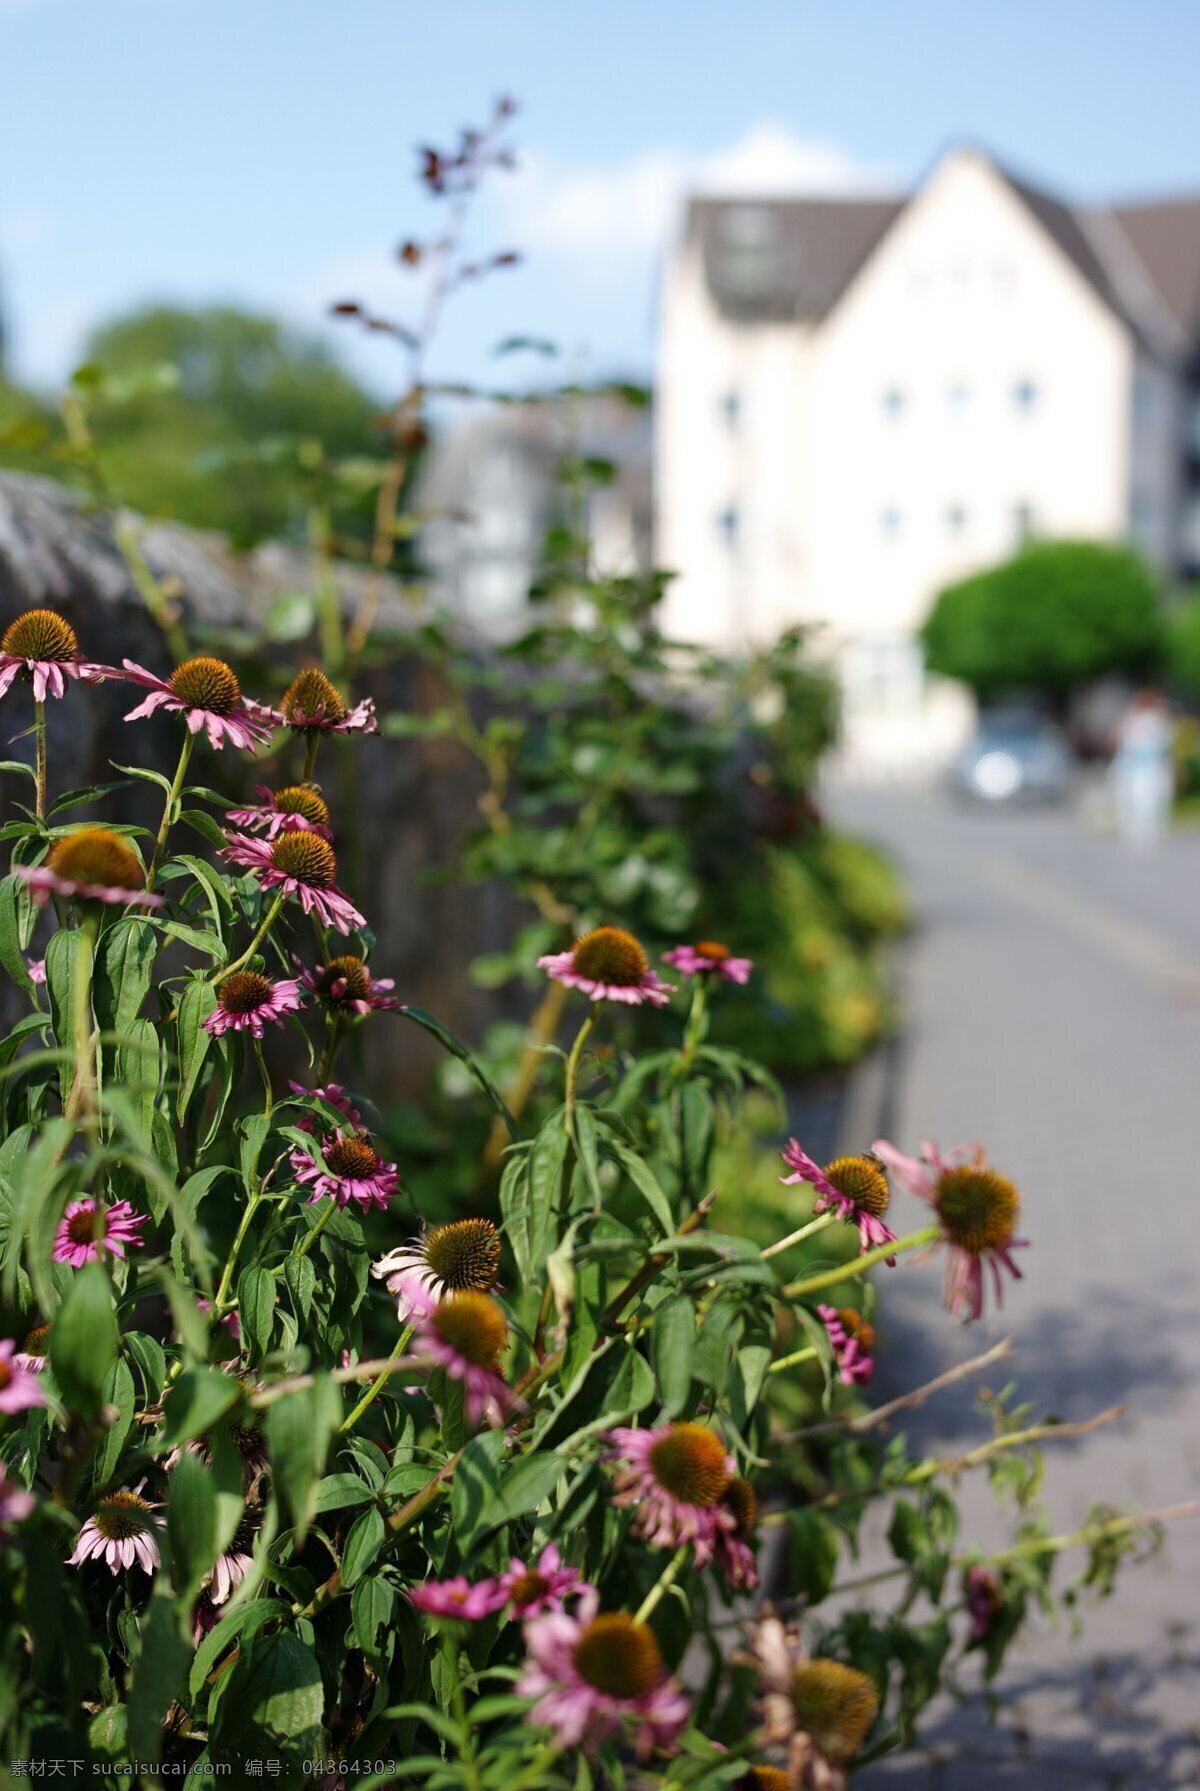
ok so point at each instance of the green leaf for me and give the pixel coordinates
(813, 1556)
(372, 1611)
(17, 915)
(123, 972)
(455, 1046)
(158, 1673)
(150, 1362)
(247, 1618)
(278, 1696)
(646, 1183)
(672, 1346)
(199, 1397)
(473, 1489)
(83, 1340)
(337, 1491)
(118, 1392)
(300, 1278)
(191, 1524)
(190, 1322)
(196, 1004)
(256, 1308)
(299, 1428)
(190, 1196)
(527, 1483)
(366, 1538)
(62, 955)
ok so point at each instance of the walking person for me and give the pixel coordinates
(1142, 772)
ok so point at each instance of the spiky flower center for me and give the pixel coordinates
(310, 697)
(528, 1588)
(473, 1325)
(244, 992)
(855, 1325)
(206, 684)
(353, 1157)
(978, 1208)
(861, 1180)
(98, 856)
(121, 1515)
(36, 1341)
(765, 1778)
(741, 1500)
(465, 1254)
(40, 635)
(610, 955)
(713, 951)
(306, 857)
(302, 799)
(351, 973)
(81, 1226)
(836, 1705)
(618, 1657)
(247, 1439)
(689, 1463)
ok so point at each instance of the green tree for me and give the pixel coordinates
(226, 439)
(1056, 616)
(1183, 646)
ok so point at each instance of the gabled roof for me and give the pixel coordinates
(1166, 236)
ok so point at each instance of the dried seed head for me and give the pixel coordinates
(96, 855)
(306, 857)
(473, 1325)
(465, 1254)
(610, 955)
(836, 1705)
(244, 992)
(765, 1778)
(206, 684)
(351, 972)
(689, 1463)
(978, 1208)
(618, 1657)
(861, 1180)
(311, 698)
(302, 799)
(354, 1156)
(40, 635)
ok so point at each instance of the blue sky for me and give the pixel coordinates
(260, 151)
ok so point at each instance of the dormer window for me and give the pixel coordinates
(1025, 395)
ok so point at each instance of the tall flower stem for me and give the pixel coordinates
(39, 729)
(268, 921)
(83, 1081)
(306, 1243)
(222, 1294)
(329, 1049)
(662, 1585)
(379, 1383)
(311, 743)
(265, 1078)
(168, 816)
(693, 1032)
(794, 1360)
(806, 1231)
(795, 1290)
(581, 1039)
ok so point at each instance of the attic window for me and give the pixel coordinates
(748, 246)
(1025, 396)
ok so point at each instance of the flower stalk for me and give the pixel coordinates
(169, 808)
(810, 1284)
(797, 1237)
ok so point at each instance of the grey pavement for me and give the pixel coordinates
(1052, 1012)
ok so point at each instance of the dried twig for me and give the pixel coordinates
(855, 1425)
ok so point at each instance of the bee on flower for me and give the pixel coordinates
(855, 1188)
(345, 986)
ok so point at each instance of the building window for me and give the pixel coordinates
(727, 525)
(956, 519)
(894, 402)
(958, 397)
(890, 522)
(1023, 526)
(730, 407)
(1025, 397)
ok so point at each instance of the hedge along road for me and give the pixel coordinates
(1051, 995)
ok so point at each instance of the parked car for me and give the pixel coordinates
(1013, 757)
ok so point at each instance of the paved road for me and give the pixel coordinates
(1052, 996)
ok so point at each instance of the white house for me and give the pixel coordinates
(859, 400)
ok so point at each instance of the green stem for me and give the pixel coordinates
(795, 1290)
(222, 1294)
(793, 1361)
(268, 922)
(311, 744)
(458, 1704)
(662, 1585)
(306, 1244)
(329, 1049)
(694, 1030)
(378, 1384)
(795, 1237)
(581, 1038)
(80, 1096)
(534, 1775)
(265, 1078)
(39, 728)
(164, 826)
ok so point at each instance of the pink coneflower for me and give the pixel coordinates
(37, 971)
(80, 1238)
(246, 1001)
(353, 1170)
(303, 865)
(121, 1529)
(207, 694)
(42, 647)
(346, 985)
(534, 1591)
(596, 1674)
(32, 1353)
(93, 864)
(465, 1254)
(708, 958)
(677, 1476)
(335, 1094)
(854, 1187)
(230, 1568)
(735, 1557)
(459, 1598)
(608, 964)
(311, 701)
(985, 1602)
(298, 808)
(852, 1340)
(19, 1388)
(15, 1502)
(977, 1210)
(465, 1335)
(820, 1711)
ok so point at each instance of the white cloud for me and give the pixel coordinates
(615, 218)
